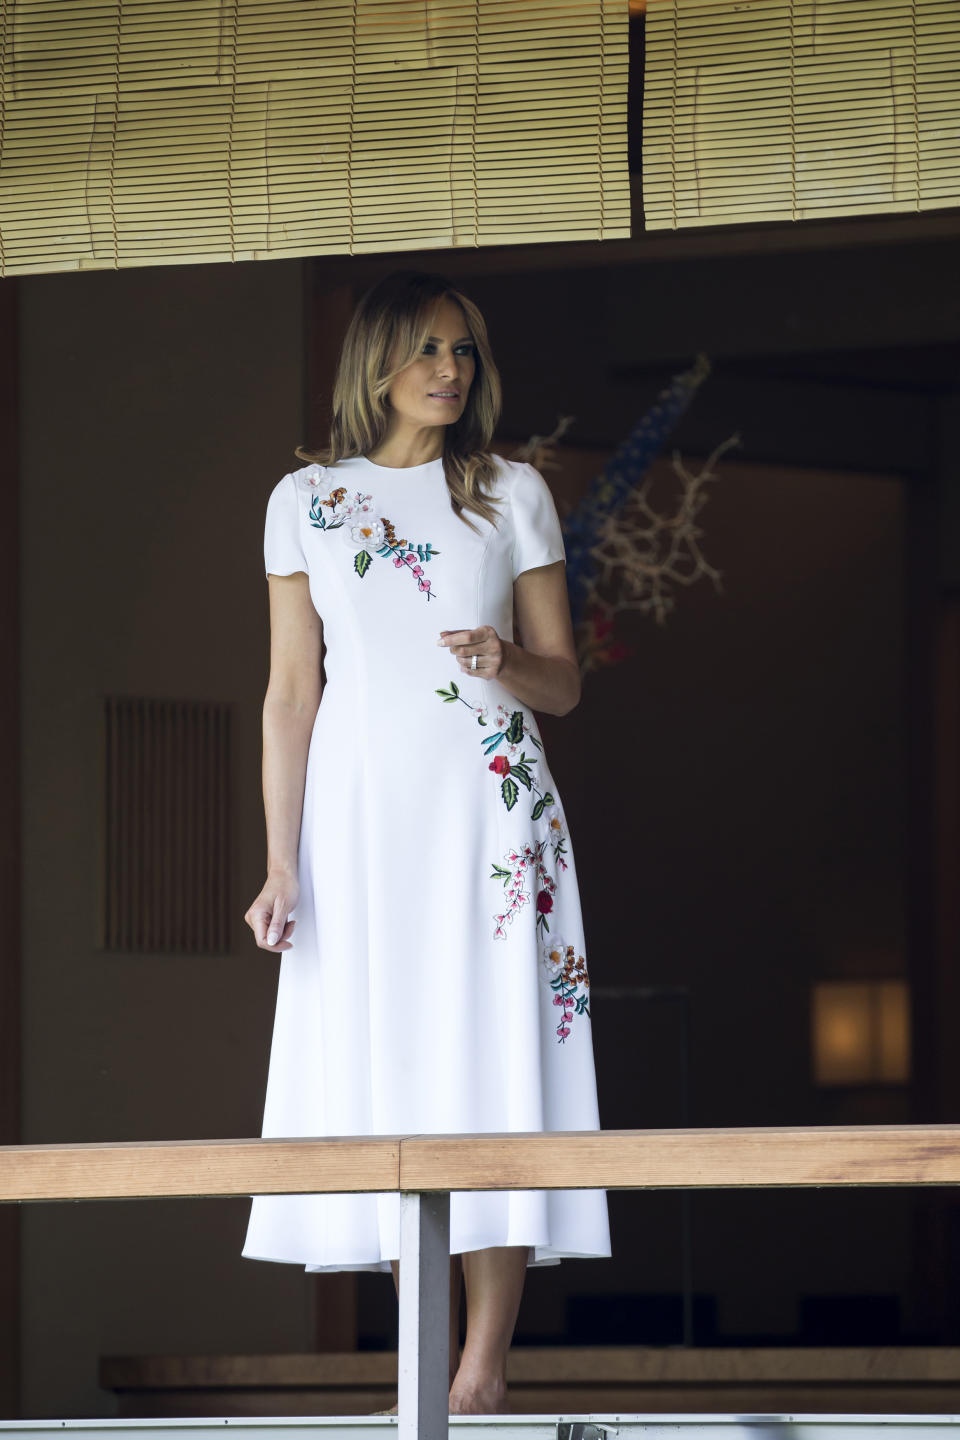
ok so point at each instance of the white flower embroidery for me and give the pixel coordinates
(368, 533)
(553, 956)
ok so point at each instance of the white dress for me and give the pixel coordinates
(437, 977)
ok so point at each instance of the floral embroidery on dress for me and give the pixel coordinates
(512, 769)
(365, 531)
(558, 838)
(566, 976)
(514, 877)
(528, 857)
(568, 979)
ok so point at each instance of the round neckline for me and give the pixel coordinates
(398, 469)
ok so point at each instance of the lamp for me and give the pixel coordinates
(861, 1032)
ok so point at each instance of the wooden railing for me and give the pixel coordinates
(425, 1169)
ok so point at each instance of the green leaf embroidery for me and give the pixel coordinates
(363, 559)
(514, 730)
(500, 873)
(317, 518)
(520, 773)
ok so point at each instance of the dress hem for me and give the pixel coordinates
(542, 1255)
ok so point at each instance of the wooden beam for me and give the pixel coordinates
(541, 1365)
(646, 246)
(835, 1155)
(559, 1380)
(192, 1168)
(686, 1159)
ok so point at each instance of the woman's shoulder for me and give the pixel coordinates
(314, 475)
(308, 477)
(505, 466)
(521, 480)
(512, 473)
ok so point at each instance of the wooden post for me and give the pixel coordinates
(335, 1312)
(10, 835)
(329, 298)
(423, 1360)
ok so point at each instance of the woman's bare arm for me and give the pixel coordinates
(289, 711)
(542, 671)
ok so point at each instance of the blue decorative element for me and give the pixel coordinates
(619, 478)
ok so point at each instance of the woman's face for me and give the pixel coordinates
(433, 389)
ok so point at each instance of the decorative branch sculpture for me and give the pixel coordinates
(622, 552)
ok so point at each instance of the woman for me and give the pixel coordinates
(434, 979)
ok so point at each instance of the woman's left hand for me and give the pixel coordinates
(484, 642)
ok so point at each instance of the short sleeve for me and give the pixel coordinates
(282, 546)
(537, 536)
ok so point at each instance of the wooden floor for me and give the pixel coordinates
(587, 1380)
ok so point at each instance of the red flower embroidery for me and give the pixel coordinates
(544, 902)
(500, 765)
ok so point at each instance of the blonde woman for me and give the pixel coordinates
(421, 885)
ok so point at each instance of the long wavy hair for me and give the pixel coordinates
(393, 319)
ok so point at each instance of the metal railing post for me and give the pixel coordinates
(423, 1359)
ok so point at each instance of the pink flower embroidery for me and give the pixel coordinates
(370, 534)
(514, 884)
(566, 974)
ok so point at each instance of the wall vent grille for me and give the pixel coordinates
(166, 852)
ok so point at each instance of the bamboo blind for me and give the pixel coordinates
(166, 846)
(799, 109)
(143, 132)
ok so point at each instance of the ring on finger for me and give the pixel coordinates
(473, 662)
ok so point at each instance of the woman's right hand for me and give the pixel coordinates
(267, 916)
